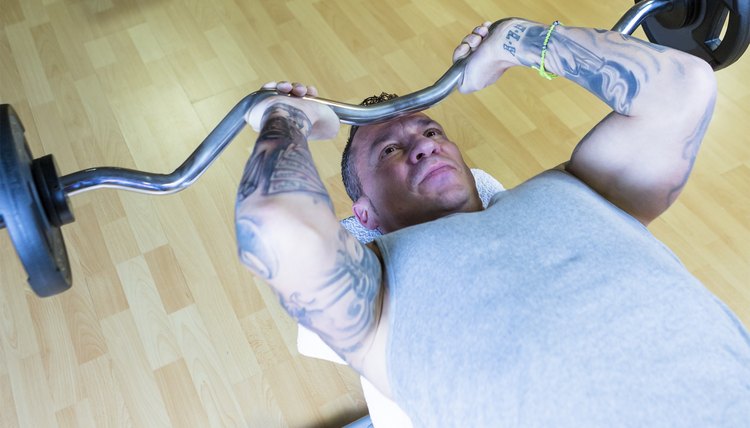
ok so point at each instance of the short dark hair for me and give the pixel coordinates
(352, 184)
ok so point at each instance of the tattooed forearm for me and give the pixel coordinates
(611, 81)
(690, 151)
(605, 63)
(341, 311)
(281, 161)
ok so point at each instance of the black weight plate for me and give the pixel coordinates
(701, 37)
(39, 245)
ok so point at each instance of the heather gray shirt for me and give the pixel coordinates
(554, 308)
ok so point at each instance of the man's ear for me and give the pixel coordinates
(365, 213)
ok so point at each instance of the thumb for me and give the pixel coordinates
(476, 77)
(254, 116)
(461, 51)
(470, 82)
(326, 126)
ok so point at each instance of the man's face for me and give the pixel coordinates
(410, 173)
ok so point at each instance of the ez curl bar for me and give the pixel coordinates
(34, 197)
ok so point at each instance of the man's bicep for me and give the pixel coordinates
(639, 163)
(342, 303)
(330, 284)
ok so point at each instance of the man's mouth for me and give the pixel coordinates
(434, 171)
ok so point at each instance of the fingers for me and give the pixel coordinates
(461, 51)
(469, 44)
(299, 90)
(472, 41)
(284, 87)
(483, 30)
(294, 89)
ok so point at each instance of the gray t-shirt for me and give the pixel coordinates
(554, 308)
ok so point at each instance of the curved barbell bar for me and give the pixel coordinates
(195, 165)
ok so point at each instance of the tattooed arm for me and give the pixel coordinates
(640, 156)
(288, 235)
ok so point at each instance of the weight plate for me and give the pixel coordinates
(50, 191)
(701, 34)
(39, 245)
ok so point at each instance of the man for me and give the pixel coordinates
(552, 307)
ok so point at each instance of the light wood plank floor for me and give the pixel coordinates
(163, 325)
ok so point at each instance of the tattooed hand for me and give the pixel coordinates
(319, 121)
(490, 58)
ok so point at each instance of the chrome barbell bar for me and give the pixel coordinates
(199, 161)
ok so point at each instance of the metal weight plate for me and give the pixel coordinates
(39, 244)
(695, 26)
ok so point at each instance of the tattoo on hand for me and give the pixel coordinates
(513, 36)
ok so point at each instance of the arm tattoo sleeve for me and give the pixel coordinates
(340, 299)
(602, 65)
(281, 161)
(350, 292)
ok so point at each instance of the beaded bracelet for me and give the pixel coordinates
(542, 72)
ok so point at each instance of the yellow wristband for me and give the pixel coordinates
(542, 72)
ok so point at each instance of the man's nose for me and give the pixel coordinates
(423, 147)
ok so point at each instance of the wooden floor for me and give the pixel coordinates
(163, 326)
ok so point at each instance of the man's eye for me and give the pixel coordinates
(432, 132)
(388, 150)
